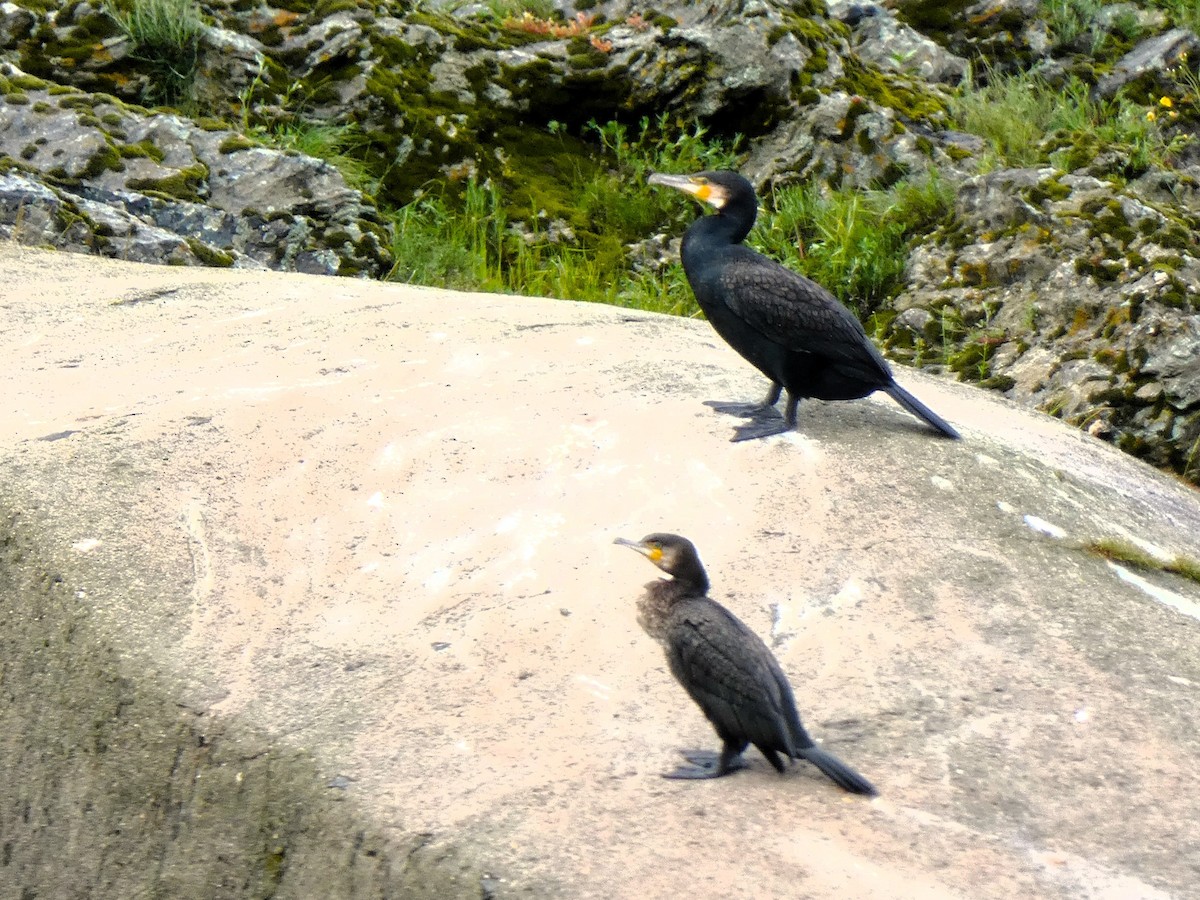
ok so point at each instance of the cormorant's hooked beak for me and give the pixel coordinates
(654, 554)
(698, 186)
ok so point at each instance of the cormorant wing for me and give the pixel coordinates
(732, 676)
(795, 312)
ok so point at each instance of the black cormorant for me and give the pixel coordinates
(790, 328)
(727, 670)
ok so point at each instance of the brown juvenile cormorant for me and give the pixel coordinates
(727, 670)
(790, 328)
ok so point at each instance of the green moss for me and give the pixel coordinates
(145, 149)
(80, 43)
(106, 159)
(209, 255)
(465, 34)
(234, 143)
(1051, 189)
(807, 96)
(1117, 360)
(182, 185)
(1175, 296)
(1167, 263)
(999, 383)
(776, 34)
(1175, 236)
(28, 82)
(971, 361)
(587, 57)
(934, 15)
(76, 100)
(907, 96)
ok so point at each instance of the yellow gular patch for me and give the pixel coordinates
(703, 192)
(655, 554)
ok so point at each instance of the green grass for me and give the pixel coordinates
(620, 200)
(1130, 554)
(854, 242)
(1027, 121)
(166, 35)
(1183, 13)
(1070, 19)
(469, 243)
(1011, 113)
(461, 235)
(338, 145)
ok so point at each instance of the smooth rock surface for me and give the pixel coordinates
(367, 529)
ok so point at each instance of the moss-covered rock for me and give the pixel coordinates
(172, 194)
(1089, 305)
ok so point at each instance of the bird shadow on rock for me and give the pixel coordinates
(765, 421)
(762, 421)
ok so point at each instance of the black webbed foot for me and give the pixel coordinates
(705, 764)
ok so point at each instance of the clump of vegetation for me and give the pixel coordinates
(1184, 98)
(461, 235)
(166, 36)
(547, 27)
(469, 243)
(854, 242)
(499, 10)
(1130, 554)
(1183, 13)
(1071, 19)
(342, 145)
(337, 144)
(620, 201)
(1028, 121)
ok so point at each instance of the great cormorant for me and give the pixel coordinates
(790, 328)
(727, 669)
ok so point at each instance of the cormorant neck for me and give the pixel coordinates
(691, 575)
(728, 225)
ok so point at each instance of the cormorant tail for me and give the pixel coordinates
(841, 774)
(920, 410)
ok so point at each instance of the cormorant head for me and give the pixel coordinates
(717, 189)
(673, 554)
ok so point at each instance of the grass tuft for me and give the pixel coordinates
(853, 242)
(1121, 551)
(166, 35)
(1026, 122)
(461, 235)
